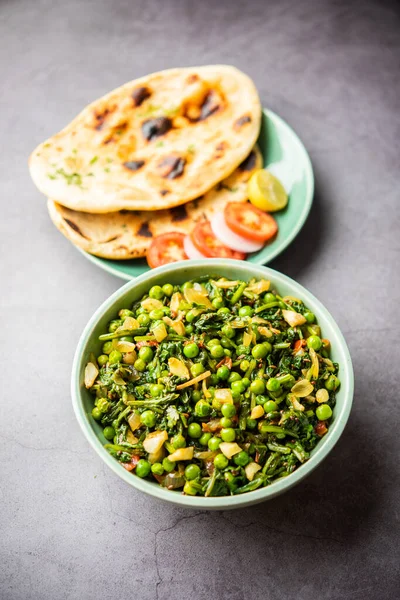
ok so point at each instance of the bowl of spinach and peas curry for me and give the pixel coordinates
(212, 384)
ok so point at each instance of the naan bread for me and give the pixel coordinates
(124, 235)
(154, 143)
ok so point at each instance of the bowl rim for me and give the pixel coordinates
(219, 502)
(260, 257)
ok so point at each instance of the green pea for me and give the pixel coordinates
(191, 350)
(261, 350)
(213, 443)
(186, 286)
(156, 292)
(223, 373)
(227, 352)
(220, 461)
(141, 311)
(124, 313)
(96, 413)
(261, 399)
(246, 382)
(242, 349)
(309, 316)
(115, 357)
(224, 311)
(157, 469)
(102, 360)
(144, 319)
(168, 465)
(217, 303)
(270, 406)
(113, 326)
(281, 304)
(109, 433)
(191, 315)
(228, 434)
(251, 423)
(202, 408)
(143, 468)
(178, 441)
(228, 332)
(213, 342)
(269, 298)
(168, 289)
(217, 351)
(245, 311)
(194, 430)
(273, 385)
(314, 342)
(228, 410)
(225, 343)
(146, 354)
(257, 386)
(148, 418)
(140, 365)
(225, 422)
(189, 329)
(244, 365)
(156, 389)
(192, 472)
(205, 438)
(237, 388)
(189, 490)
(197, 369)
(332, 383)
(126, 338)
(323, 412)
(196, 395)
(107, 347)
(156, 314)
(241, 459)
(234, 377)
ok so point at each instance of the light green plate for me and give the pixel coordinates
(285, 156)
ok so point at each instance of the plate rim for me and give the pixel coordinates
(309, 197)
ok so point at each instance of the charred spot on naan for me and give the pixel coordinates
(75, 228)
(192, 78)
(134, 165)
(144, 230)
(171, 167)
(179, 214)
(164, 192)
(100, 117)
(154, 128)
(116, 132)
(211, 103)
(220, 149)
(241, 121)
(249, 163)
(140, 94)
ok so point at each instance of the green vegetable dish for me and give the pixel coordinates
(214, 387)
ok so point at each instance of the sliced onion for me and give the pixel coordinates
(191, 249)
(231, 239)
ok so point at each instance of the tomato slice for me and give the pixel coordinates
(250, 222)
(208, 244)
(166, 248)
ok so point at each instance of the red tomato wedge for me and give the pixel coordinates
(166, 248)
(250, 222)
(209, 245)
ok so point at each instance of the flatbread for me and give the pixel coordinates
(124, 235)
(154, 143)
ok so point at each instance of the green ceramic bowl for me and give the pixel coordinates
(178, 273)
(285, 156)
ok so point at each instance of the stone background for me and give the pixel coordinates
(70, 529)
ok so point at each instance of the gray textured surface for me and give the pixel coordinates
(69, 528)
